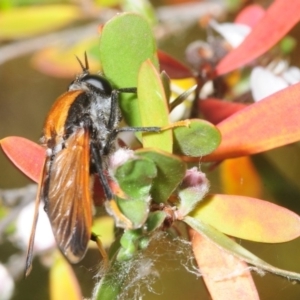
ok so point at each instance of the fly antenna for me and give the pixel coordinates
(86, 61)
(85, 68)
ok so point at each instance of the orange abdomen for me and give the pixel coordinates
(56, 119)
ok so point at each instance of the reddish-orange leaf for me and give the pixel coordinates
(250, 15)
(249, 218)
(239, 177)
(267, 124)
(216, 110)
(225, 276)
(173, 67)
(26, 155)
(278, 20)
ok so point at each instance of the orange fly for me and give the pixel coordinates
(79, 134)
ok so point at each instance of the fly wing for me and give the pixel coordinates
(67, 196)
(29, 256)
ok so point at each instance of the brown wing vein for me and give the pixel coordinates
(69, 196)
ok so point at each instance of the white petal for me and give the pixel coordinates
(207, 89)
(120, 157)
(178, 113)
(264, 83)
(292, 75)
(44, 238)
(6, 284)
(234, 34)
(278, 66)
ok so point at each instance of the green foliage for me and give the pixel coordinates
(199, 139)
(152, 187)
(170, 172)
(153, 175)
(153, 108)
(126, 176)
(126, 42)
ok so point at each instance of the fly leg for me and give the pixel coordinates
(96, 154)
(115, 105)
(113, 119)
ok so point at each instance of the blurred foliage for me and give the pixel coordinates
(154, 190)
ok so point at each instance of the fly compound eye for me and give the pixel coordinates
(98, 82)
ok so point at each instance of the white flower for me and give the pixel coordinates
(264, 81)
(44, 238)
(6, 284)
(233, 33)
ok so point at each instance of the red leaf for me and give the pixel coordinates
(174, 68)
(278, 20)
(26, 155)
(267, 124)
(216, 110)
(29, 158)
(250, 15)
(226, 277)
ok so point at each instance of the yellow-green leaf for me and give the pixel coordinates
(63, 282)
(104, 228)
(248, 218)
(28, 21)
(153, 108)
(225, 242)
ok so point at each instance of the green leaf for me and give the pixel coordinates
(153, 108)
(129, 237)
(144, 242)
(129, 243)
(170, 172)
(135, 177)
(136, 210)
(199, 139)
(155, 220)
(191, 191)
(235, 249)
(126, 42)
(127, 253)
(108, 288)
